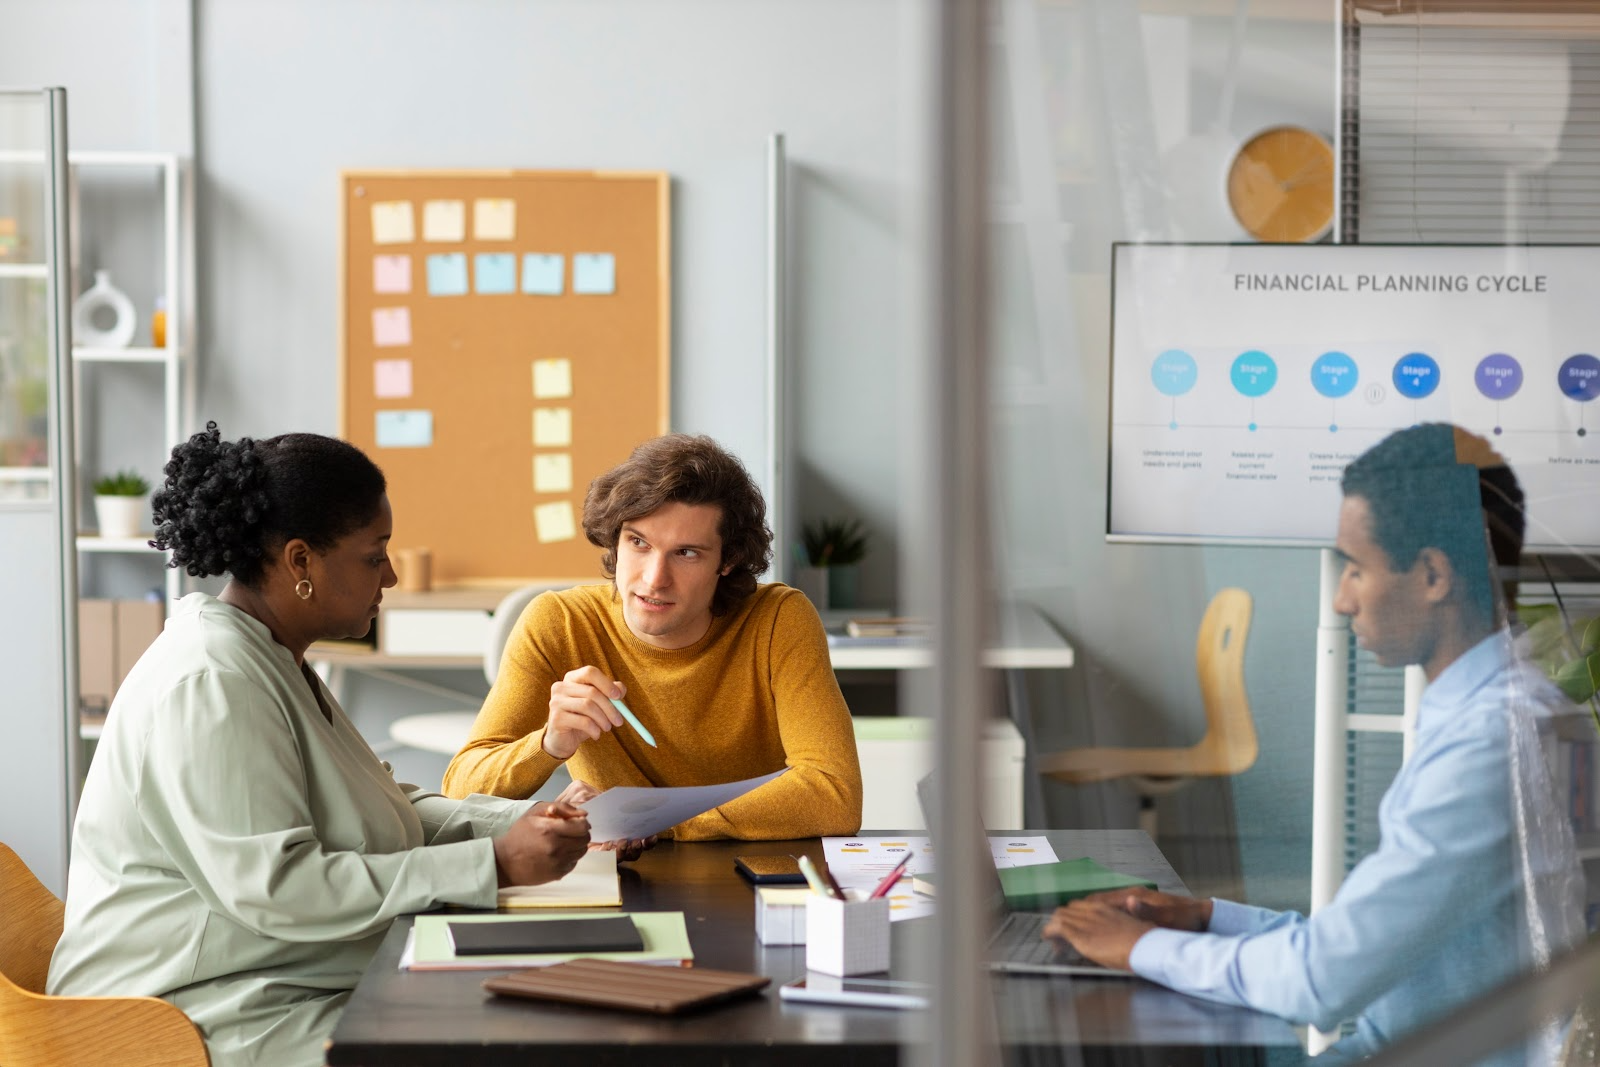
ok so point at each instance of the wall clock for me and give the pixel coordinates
(1280, 185)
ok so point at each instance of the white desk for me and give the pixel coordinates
(1026, 641)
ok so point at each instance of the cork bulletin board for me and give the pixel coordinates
(505, 339)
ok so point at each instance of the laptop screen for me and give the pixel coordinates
(994, 899)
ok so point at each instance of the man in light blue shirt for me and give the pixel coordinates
(1476, 877)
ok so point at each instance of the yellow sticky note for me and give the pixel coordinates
(554, 522)
(552, 379)
(494, 220)
(552, 427)
(552, 472)
(444, 220)
(392, 223)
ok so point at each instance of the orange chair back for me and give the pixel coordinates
(32, 923)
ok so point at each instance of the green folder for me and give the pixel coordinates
(1045, 885)
(666, 941)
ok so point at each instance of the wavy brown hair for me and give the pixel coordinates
(680, 468)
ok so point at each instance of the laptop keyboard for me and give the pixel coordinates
(1020, 939)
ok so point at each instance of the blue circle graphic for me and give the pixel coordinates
(1334, 374)
(1174, 372)
(1254, 373)
(1579, 378)
(1498, 376)
(1416, 376)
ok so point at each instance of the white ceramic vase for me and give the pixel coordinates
(103, 301)
(121, 516)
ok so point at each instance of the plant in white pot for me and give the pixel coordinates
(121, 504)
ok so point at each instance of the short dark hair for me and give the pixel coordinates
(683, 469)
(1437, 485)
(226, 504)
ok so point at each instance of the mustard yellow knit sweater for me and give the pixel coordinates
(755, 694)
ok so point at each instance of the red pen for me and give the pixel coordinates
(883, 887)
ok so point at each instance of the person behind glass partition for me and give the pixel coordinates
(1476, 876)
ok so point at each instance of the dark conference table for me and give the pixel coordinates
(403, 1019)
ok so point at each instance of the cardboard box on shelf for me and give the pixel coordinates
(112, 635)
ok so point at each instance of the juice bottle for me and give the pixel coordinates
(158, 323)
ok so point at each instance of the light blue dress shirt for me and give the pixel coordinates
(1442, 911)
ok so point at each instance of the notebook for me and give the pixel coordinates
(593, 883)
(666, 942)
(628, 986)
(1039, 886)
(608, 933)
(1018, 944)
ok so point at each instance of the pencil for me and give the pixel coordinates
(633, 721)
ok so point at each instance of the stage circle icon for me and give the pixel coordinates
(1334, 374)
(1580, 378)
(1174, 372)
(1254, 373)
(1498, 376)
(1416, 376)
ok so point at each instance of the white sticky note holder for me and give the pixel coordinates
(847, 937)
(781, 914)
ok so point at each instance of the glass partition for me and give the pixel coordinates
(1235, 700)
(24, 302)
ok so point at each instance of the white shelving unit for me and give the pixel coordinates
(175, 359)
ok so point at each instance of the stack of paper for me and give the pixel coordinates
(593, 883)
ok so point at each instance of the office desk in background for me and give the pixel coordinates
(447, 629)
(401, 1019)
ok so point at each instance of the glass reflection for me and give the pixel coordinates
(24, 365)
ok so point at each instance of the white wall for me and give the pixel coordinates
(291, 92)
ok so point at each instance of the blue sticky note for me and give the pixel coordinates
(541, 273)
(496, 272)
(405, 429)
(594, 272)
(447, 274)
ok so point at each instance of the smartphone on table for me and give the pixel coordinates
(769, 870)
(855, 992)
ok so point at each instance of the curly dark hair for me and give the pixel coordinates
(226, 504)
(1437, 485)
(684, 469)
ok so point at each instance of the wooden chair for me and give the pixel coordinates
(1229, 745)
(43, 1031)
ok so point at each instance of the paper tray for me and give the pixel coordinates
(627, 986)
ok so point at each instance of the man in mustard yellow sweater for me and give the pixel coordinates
(731, 677)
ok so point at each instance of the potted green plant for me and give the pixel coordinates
(836, 547)
(121, 503)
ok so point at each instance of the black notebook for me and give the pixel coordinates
(610, 933)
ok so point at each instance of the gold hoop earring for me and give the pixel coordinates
(302, 589)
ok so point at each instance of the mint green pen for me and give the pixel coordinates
(633, 721)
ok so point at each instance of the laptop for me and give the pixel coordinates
(1017, 944)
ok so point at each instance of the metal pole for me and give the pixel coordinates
(1328, 749)
(955, 445)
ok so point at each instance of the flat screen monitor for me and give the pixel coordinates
(1244, 378)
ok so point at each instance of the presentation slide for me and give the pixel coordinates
(1245, 377)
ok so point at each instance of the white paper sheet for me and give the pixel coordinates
(630, 812)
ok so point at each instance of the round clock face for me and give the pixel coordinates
(1280, 185)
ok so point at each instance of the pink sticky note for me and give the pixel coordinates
(391, 326)
(391, 377)
(391, 274)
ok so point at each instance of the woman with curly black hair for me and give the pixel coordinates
(239, 850)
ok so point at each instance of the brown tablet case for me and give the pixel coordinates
(628, 986)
